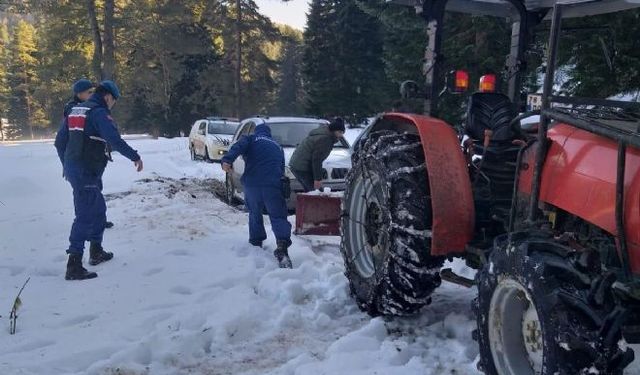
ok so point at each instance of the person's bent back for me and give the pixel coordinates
(262, 183)
(306, 161)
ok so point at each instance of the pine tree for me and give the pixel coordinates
(319, 57)
(258, 57)
(290, 95)
(602, 54)
(5, 132)
(168, 66)
(64, 50)
(25, 111)
(343, 61)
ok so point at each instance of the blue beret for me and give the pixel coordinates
(111, 87)
(81, 85)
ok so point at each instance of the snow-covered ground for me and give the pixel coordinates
(185, 293)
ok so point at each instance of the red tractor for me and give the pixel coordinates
(549, 216)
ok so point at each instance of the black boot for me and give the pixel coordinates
(282, 254)
(75, 271)
(97, 254)
(108, 225)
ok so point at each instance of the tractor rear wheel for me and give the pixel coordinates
(386, 227)
(544, 309)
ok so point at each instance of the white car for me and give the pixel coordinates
(209, 138)
(289, 133)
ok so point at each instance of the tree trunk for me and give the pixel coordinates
(238, 67)
(29, 119)
(97, 40)
(109, 67)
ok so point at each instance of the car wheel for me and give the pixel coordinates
(206, 155)
(192, 151)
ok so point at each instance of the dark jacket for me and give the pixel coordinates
(263, 158)
(87, 130)
(313, 150)
(62, 137)
(70, 104)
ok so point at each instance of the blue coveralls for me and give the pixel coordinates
(262, 182)
(81, 143)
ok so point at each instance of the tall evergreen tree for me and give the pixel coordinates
(25, 111)
(343, 61)
(166, 65)
(5, 91)
(602, 55)
(290, 95)
(64, 50)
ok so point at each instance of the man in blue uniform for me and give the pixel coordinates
(82, 90)
(82, 147)
(262, 183)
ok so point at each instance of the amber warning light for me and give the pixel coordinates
(461, 80)
(488, 83)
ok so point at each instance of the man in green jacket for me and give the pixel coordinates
(306, 162)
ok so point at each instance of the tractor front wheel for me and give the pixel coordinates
(386, 227)
(544, 309)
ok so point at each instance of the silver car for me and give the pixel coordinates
(289, 133)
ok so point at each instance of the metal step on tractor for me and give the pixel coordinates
(549, 216)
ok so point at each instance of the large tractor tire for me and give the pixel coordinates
(544, 309)
(386, 226)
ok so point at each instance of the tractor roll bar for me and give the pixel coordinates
(521, 33)
(541, 152)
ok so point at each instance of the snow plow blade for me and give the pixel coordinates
(318, 215)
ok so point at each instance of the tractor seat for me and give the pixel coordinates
(490, 111)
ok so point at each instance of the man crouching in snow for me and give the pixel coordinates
(262, 182)
(82, 146)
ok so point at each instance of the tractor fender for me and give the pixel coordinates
(451, 196)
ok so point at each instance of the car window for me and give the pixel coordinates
(291, 134)
(248, 128)
(201, 127)
(239, 131)
(218, 127)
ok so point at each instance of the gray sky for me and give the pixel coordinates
(292, 13)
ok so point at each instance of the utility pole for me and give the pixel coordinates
(238, 72)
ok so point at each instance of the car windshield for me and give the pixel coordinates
(222, 127)
(291, 134)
